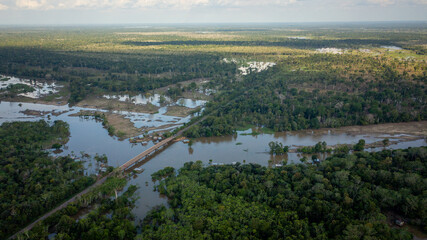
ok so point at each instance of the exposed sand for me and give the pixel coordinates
(410, 128)
(162, 127)
(123, 126)
(412, 131)
(112, 104)
(179, 111)
(56, 102)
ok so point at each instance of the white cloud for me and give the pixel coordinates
(179, 4)
(382, 2)
(397, 2)
(31, 4)
(3, 7)
(245, 3)
(188, 4)
(170, 3)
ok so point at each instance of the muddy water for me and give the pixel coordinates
(90, 137)
(243, 149)
(156, 120)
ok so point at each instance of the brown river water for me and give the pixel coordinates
(90, 137)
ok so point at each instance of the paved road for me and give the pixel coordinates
(102, 180)
(146, 153)
(157, 146)
(63, 205)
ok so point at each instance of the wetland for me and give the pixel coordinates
(344, 108)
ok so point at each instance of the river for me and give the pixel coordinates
(88, 135)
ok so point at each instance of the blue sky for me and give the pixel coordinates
(207, 11)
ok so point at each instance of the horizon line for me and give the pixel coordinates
(209, 23)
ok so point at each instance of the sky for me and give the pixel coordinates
(57, 12)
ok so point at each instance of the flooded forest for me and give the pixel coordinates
(273, 131)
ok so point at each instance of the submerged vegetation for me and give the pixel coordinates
(269, 79)
(100, 116)
(320, 147)
(31, 181)
(344, 197)
(277, 148)
(110, 219)
(377, 76)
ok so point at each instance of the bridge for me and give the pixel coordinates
(146, 153)
(157, 146)
(123, 168)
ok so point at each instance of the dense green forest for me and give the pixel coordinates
(378, 75)
(293, 43)
(97, 215)
(93, 61)
(333, 92)
(94, 73)
(343, 197)
(31, 181)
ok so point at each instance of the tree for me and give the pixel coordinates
(359, 146)
(386, 141)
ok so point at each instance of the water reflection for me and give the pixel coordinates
(90, 137)
(86, 134)
(251, 149)
(41, 88)
(157, 100)
(190, 150)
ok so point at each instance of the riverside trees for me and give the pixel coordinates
(31, 181)
(344, 197)
(277, 148)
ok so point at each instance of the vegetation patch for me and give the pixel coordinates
(31, 181)
(251, 201)
(115, 105)
(101, 213)
(179, 111)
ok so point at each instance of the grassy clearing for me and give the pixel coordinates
(112, 104)
(245, 127)
(178, 111)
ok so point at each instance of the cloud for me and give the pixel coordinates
(396, 2)
(171, 3)
(241, 3)
(31, 4)
(3, 7)
(132, 4)
(188, 4)
(382, 2)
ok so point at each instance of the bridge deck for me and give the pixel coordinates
(100, 181)
(146, 153)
